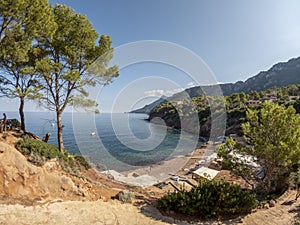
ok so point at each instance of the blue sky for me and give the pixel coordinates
(235, 38)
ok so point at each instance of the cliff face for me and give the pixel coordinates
(23, 182)
(19, 179)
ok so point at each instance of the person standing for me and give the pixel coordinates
(4, 122)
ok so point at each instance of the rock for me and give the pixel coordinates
(254, 210)
(272, 203)
(109, 176)
(51, 165)
(125, 196)
(135, 175)
(66, 183)
(266, 206)
(82, 192)
(20, 179)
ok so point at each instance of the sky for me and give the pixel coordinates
(235, 39)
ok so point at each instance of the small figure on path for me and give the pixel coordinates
(4, 122)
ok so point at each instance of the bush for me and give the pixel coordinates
(210, 199)
(38, 152)
(81, 162)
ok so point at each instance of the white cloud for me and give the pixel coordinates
(160, 92)
(191, 84)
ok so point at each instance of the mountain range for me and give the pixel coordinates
(279, 75)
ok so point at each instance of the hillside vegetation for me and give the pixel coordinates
(279, 75)
(267, 158)
(175, 113)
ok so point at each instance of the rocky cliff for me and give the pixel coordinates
(21, 181)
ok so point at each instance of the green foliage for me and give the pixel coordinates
(296, 105)
(239, 166)
(236, 107)
(273, 138)
(81, 161)
(72, 62)
(126, 197)
(39, 152)
(22, 22)
(35, 149)
(295, 178)
(210, 199)
(52, 50)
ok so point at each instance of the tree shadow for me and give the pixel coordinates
(286, 203)
(296, 210)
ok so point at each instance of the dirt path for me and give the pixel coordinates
(115, 212)
(75, 212)
(283, 213)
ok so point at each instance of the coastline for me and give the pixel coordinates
(161, 172)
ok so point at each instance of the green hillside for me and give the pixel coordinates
(175, 113)
(279, 75)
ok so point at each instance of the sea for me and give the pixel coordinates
(118, 141)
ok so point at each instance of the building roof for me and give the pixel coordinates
(206, 172)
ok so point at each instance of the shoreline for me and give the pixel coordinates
(163, 171)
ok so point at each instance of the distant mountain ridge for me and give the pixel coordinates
(147, 108)
(279, 75)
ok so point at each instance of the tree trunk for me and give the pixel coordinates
(59, 132)
(268, 185)
(269, 179)
(22, 116)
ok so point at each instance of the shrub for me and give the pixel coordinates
(126, 196)
(209, 199)
(38, 152)
(81, 161)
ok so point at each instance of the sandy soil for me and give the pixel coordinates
(284, 213)
(76, 212)
(115, 212)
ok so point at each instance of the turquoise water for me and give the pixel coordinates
(118, 141)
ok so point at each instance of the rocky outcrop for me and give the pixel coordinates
(21, 180)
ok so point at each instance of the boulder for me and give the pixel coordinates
(125, 196)
(272, 203)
